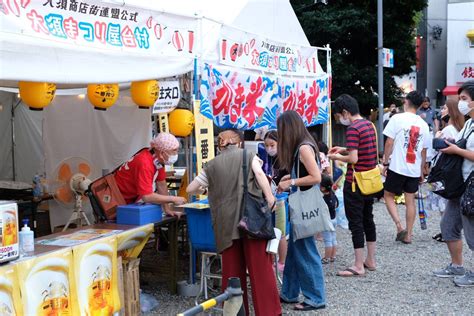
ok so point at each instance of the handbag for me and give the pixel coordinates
(446, 175)
(105, 196)
(467, 199)
(309, 213)
(370, 181)
(256, 220)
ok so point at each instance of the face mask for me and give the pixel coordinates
(172, 160)
(463, 107)
(446, 118)
(272, 152)
(345, 122)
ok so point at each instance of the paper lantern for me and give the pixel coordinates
(102, 96)
(181, 122)
(144, 93)
(37, 95)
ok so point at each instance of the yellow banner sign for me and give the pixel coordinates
(163, 123)
(204, 134)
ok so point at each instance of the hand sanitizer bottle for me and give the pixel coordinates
(27, 239)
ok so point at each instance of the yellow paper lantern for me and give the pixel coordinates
(144, 93)
(37, 95)
(102, 96)
(181, 122)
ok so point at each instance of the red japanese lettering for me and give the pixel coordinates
(252, 111)
(128, 38)
(70, 28)
(312, 109)
(37, 22)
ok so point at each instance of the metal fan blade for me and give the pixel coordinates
(84, 168)
(64, 173)
(64, 194)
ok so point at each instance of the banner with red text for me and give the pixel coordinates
(246, 50)
(235, 99)
(100, 24)
(93, 41)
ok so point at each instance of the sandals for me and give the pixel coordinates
(304, 307)
(353, 273)
(369, 267)
(326, 260)
(401, 235)
(438, 237)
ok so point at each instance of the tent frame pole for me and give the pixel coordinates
(12, 119)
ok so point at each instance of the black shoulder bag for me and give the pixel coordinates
(256, 219)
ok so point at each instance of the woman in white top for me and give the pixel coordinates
(454, 121)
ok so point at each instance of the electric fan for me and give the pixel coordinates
(70, 181)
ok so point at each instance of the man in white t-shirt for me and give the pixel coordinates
(408, 137)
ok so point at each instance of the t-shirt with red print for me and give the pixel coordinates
(410, 135)
(137, 177)
(361, 136)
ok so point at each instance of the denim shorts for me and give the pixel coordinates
(453, 223)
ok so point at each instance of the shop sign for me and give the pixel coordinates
(245, 50)
(168, 97)
(100, 24)
(464, 72)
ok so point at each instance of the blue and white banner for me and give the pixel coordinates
(234, 99)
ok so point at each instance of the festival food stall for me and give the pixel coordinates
(87, 64)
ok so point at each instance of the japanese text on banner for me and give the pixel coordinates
(247, 101)
(99, 24)
(245, 50)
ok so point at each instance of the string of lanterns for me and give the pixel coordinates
(38, 95)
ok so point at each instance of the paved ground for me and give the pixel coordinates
(402, 284)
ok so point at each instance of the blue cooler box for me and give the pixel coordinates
(139, 214)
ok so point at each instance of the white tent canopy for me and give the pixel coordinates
(69, 126)
(29, 55)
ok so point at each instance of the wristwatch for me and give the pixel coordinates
(293, 182)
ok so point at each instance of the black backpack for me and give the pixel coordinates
(446, 174)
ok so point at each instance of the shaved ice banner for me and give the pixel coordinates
(233, 99)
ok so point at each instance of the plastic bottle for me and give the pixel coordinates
(37, 186)
(27, 239)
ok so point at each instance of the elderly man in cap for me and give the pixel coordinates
(138, 178)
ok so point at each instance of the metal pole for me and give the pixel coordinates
(380, 68)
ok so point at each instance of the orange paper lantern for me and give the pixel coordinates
(144, 93)
(102, 96)
(37, 95)
(181, 122)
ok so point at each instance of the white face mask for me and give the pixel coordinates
(344, 121)
(172, 160)
(463, 107)
(272, 152)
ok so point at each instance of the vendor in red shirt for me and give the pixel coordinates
(143, 177)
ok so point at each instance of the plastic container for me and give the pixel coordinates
(281, 215)
(27, 239)
(139, 214)
(200, 229)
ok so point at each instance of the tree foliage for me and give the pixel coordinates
(350, 28)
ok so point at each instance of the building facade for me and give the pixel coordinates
(431, 42)
(460, 57)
